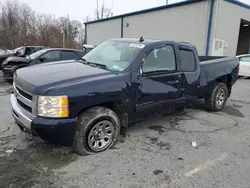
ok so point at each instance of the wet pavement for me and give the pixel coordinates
(156, 153)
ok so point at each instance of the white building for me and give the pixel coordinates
(215, 27)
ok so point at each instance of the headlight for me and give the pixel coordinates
(53, 106)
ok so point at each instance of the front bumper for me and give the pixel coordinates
(22, 119)
(59, 131)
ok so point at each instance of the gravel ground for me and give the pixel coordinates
(156, 153)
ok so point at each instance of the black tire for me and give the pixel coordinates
(212, 100)
(89, 119)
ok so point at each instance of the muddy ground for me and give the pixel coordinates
(156, 153)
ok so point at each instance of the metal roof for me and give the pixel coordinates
(236, 2)
(146, 10)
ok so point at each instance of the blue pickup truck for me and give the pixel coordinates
(85, 103)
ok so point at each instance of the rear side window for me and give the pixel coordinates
(187, 60)
(67, 55)
(51, 56)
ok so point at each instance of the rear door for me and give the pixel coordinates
(160, 84)
(190, 71)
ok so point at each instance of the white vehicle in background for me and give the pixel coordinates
(87, 48)
(244, 65)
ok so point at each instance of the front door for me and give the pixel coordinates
(160, 84)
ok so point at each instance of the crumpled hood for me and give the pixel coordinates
(39, 79)
(6, 55)
(17, 59)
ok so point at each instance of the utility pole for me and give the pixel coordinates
(63, 35)
(166, 2)
(63, 39)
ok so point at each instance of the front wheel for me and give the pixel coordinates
(97, 130)
(218, 98)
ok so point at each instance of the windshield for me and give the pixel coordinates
(36, 54)
(114, 55)
(19, 50)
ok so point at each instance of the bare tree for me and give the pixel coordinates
(101, 10)
(20, 25)
(9, 23)
(44, 31)
(77, 32)
(27, 17)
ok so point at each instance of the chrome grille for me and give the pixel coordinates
(24, 94)
(24, 100)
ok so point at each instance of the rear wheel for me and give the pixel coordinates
(97, 130)
(218, 98)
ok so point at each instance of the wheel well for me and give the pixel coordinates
(227, 80)
(115, 106)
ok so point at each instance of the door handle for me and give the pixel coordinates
(173, 82)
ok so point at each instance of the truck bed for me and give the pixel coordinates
(212, 67)
(207, 58)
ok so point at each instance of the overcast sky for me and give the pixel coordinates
(80, 9)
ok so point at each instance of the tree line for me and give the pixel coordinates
(20, 25)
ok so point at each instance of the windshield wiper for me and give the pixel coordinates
(94, 64)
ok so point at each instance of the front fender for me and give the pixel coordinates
(81, 103)
(84, 94)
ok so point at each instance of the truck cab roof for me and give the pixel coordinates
(153, 41)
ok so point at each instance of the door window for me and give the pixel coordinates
(29, 50)
(160, 59)
(188, 61)
(67, 55)
(51, 56)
